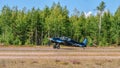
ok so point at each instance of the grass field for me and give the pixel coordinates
(66, 57)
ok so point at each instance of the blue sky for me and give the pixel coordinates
(81, 5)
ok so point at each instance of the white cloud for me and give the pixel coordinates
(87, 14)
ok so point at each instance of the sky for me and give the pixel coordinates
(87, 6)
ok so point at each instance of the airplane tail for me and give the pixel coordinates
(85, 41)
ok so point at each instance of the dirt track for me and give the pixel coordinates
(63, 53)
(66, 57)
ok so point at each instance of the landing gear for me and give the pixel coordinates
(54, 46)
(57, 45)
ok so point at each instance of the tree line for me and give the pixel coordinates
(34, 26)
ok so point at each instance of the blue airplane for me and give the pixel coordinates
(67, 41)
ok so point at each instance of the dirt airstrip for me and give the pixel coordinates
(66, 57)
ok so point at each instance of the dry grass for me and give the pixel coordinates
(57, 63)
(61, 58)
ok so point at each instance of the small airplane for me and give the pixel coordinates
(67, 41)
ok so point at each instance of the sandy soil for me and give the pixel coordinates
(66, 57)
(63, 53)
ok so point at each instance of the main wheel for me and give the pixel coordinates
(55, 46)
(58, 46)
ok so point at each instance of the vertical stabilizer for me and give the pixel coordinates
(85, 41)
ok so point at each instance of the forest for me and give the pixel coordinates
(34, 26)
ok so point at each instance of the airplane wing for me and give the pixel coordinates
(56, 40)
